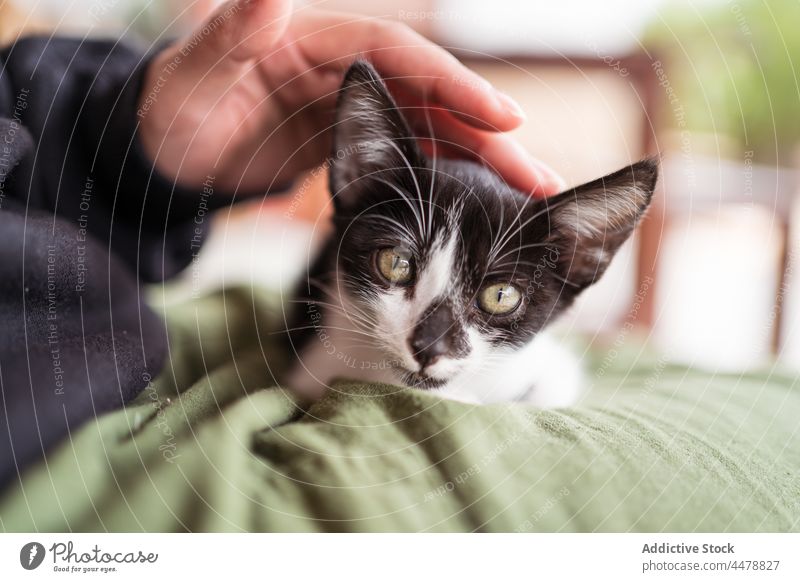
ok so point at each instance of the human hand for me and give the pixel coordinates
(249, 97)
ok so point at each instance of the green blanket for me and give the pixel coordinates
(210, 446)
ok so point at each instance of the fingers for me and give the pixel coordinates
(189, 77)
(236, 32)
(499, 152)
(202, 67)
(422, 67)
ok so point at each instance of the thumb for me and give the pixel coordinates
(236, 32)
(188, 78)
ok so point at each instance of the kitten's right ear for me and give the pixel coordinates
(370, 135)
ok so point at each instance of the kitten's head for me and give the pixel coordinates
(447, 264)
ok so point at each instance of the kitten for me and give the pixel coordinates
(439, 276)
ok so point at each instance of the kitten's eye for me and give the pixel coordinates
(499, 299)
(396, 265)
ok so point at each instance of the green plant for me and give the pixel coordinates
(733, 67)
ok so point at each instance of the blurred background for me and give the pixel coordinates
(710, 85)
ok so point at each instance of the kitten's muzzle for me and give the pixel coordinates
(438, 334)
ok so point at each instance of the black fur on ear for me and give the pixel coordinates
(370, 135)
(589, 223)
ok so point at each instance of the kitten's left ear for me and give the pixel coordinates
(370, 134)
(589, 223)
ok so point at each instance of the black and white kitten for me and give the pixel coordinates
(440, 276)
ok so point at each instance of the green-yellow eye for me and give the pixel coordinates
(499, 299)
(396, 265)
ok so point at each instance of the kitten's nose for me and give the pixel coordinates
(426, 352)
(435, 335)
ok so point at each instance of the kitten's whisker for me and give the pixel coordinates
(317, 325)
(391, 221)
(514, 264)
(433, 175)
(353, 347)
(291, 329)
(334, 328)
(413, 176)
(329, 291)
(343, 331)
(545, 210)
(565, 281)
(497, 244)
(353, 315)
(520, 248)
(416, 211)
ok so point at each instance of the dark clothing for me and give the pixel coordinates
(83, 218)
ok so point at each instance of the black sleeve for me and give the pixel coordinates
(83, 220)
(78, 99)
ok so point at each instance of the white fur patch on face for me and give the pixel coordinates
(437, 279)
(398, 315)
(448, 368)
(396, 321)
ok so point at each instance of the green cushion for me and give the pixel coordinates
(211, 447)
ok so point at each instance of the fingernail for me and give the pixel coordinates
(243, 4)
(536, 178)
(510, 105)
(551, 175)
